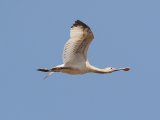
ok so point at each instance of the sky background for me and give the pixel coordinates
(33, 34)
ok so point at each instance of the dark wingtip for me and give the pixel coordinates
(43, 70)
(80, 23)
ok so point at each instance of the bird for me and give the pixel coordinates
(75, 59)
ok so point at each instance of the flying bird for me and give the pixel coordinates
(75, 53)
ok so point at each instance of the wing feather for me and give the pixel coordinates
(75, 49)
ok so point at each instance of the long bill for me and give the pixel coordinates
(124, 69)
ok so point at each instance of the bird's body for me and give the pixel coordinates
(75, 53)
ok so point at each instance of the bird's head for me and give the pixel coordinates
(110, 69)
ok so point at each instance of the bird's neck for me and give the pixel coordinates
(97, 70)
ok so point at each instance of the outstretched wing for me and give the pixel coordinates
(75, 49)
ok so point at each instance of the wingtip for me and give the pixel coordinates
(80, 23)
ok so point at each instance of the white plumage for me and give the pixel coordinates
(75, 50)
(75, 53)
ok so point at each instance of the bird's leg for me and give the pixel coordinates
(54, 69)
(58, 69)
(48, 74)
(43, 69)
(51, 71)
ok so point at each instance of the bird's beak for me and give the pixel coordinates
(118, 69)
(124, 69)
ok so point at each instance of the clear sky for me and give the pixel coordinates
(33, 34)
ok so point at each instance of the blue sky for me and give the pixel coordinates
(32, 35)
